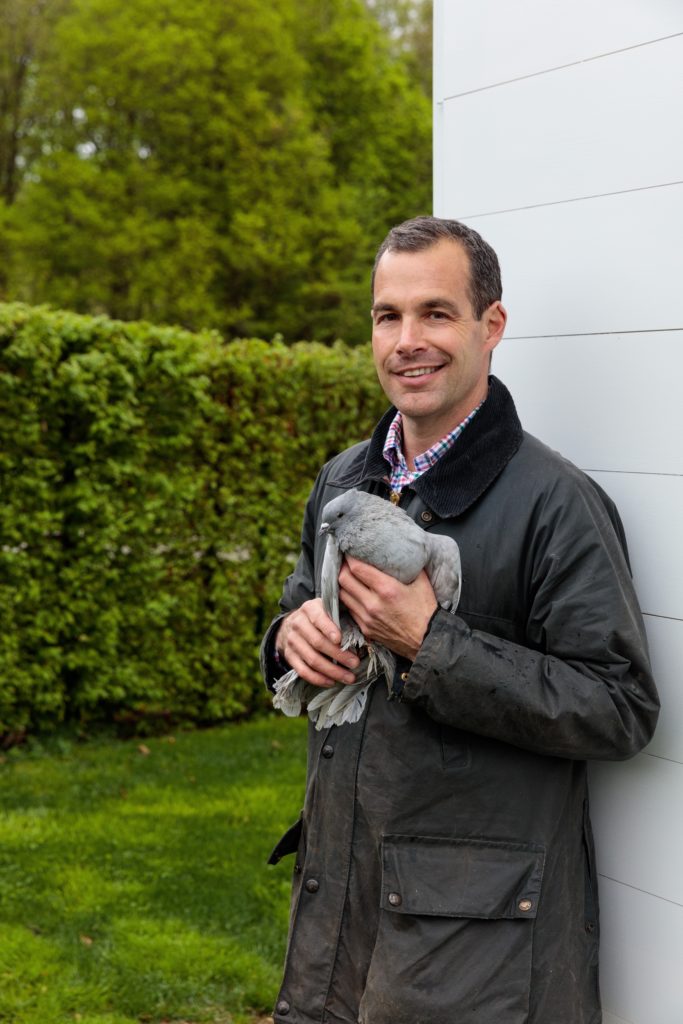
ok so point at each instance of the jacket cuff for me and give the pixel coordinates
(446, 632)
(272, 664)
(403, 666)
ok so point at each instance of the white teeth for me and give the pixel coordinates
(421, 372)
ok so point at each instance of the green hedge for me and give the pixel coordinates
(153, 483)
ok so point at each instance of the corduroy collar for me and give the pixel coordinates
(463, 473)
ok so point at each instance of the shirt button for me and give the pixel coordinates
(327, 750)
(525, 906)
(312, 885)
(426, 516)
(395, 899)
(282, 1008)
(404, 677)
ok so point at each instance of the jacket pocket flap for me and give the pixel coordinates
(461, 877)
(289, 842)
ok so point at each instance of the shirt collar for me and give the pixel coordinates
(467, 469)
(401, 475)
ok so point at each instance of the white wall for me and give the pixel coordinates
(558, 135)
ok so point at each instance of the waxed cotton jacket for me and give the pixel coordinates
(444, 869)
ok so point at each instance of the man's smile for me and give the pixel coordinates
(418, 371)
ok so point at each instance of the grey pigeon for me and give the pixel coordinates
(377, 532)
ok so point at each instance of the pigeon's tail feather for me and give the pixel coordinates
(288, 695)
(339, 705)
(348, 707)
(381, 660)
(352, 637)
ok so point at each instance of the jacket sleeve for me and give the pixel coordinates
(580, 684)
(298, 587)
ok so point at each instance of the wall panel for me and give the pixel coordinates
(603, 400)
(479, 44)
(611, 264)
(506, 147)
(639, 840)
(641, 972)
(666, 648)
(650, 507)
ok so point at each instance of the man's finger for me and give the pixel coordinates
(309, 630)
(321, 620)
(317, 669)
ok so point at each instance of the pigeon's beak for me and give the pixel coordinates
(324, 527)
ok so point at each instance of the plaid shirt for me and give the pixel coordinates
(401, 476)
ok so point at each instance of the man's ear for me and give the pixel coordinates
(494, 319)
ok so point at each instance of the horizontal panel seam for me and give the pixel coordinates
(572, 199)
(636, 888)
(594, 334)
(630, 472)
(662, 757)
(560, 67)
(667, 618)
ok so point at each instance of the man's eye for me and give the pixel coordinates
(437, 314)
(383, 318)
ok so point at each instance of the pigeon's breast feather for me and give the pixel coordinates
(399, 549)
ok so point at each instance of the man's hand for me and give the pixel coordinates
(309, 641)
(396, 614)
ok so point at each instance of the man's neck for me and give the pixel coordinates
(415, 440)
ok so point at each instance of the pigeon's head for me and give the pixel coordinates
(342, 510)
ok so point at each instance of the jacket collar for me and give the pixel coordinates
(468, 469)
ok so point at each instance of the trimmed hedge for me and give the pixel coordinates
(153, 483)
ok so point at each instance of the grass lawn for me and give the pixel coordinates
(133, 878)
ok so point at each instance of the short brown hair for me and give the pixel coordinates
(421, 233)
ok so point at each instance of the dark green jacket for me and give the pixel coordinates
(444, 862)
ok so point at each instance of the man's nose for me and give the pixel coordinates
(410, 337)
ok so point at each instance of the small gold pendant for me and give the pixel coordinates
(395, 497)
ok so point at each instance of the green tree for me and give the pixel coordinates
(227, 165)
(24, 35)
(408, 25)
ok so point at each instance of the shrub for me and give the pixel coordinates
(153, 483)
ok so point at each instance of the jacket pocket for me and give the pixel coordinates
(455, 935)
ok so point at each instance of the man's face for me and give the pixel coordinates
(431, 354)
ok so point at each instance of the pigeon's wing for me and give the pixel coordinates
(443, 569)
(329, 579)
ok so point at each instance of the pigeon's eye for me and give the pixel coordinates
(339, 515)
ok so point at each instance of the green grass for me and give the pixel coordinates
(134, 885)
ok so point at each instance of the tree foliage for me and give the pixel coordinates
(230, 165)
(408, 25)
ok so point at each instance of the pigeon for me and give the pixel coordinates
(377, 532)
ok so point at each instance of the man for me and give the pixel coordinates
(445, 871)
